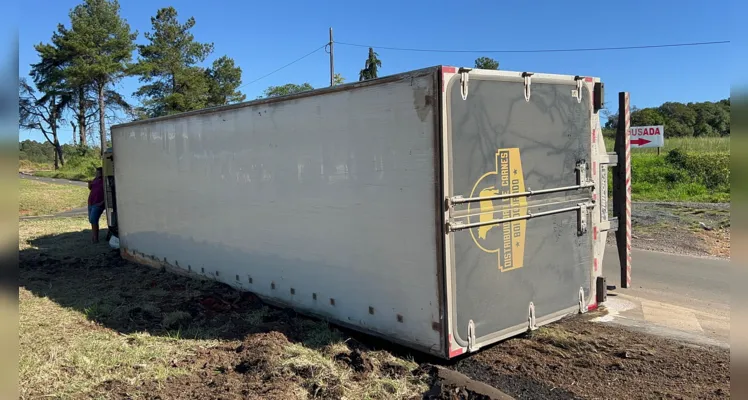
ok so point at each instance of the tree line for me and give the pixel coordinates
(75, 78)
(705, 119)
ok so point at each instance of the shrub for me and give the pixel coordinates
(711, 169)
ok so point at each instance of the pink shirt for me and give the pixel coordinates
(97, 191)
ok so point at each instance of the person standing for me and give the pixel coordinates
(96, 203)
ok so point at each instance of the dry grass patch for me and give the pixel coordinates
(62, 353)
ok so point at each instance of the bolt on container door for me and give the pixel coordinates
(519, 202)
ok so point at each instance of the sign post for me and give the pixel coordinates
(647, 136)
(622, 186)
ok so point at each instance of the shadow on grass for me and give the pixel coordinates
(131, 298)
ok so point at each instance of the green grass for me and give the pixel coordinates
(39, 198)
(688, 144)
(688, 169)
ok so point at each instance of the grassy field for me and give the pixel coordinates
(688, 144)
(91, 322)
(687, 169)
(39, 198)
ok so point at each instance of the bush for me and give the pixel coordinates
(680, 176)
(78, 167)
(712, 168)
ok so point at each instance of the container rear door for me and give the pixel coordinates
(519, 197)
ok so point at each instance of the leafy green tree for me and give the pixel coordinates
(98, 49)
(680, 119)
(371, 67)
(716, 116)
(647, 117)
(289, 88)
(168, 66)
(34, 151)
(486, 63)
(338, 79)
(224, 80)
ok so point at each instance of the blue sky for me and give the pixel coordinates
(263, 36)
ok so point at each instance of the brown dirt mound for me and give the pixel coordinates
(226, 372)
(579, 359)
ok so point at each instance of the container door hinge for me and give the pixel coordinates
(582, 303)
(528, 82)
(578, 91)
(471, 336)
(464, 82)
(531, 318)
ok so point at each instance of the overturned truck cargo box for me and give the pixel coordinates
(443, 209)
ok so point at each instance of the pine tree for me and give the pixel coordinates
(486, 63)
(224, 80)
(371, 66)
(168, 66)
(98, 48)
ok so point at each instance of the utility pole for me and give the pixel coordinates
(332, 61)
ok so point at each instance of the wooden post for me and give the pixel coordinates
(622, 188)
(332, 61)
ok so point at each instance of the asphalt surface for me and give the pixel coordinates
(673, 295)
(51, 180)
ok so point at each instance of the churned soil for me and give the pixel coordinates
(572, 359)
(576, 358)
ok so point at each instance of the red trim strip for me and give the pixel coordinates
(446, 70)
(455, 352)
(592, 307)
(588, 79)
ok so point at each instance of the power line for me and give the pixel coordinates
(539, 50)
(287, 65)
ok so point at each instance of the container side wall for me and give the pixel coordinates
(324, 203)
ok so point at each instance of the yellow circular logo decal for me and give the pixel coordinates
(506, 239)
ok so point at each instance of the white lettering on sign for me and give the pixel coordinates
(647, 136)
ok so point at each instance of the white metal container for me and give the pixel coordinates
(443, 209)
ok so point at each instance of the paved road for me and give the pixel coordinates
(674, 295)
(51, 180)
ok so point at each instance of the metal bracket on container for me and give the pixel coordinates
(579, 88)
(583, 217)
(582, 304)
(464, 80)
(528, 82)
(582, 180)
(471, 336)
(531, 318)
